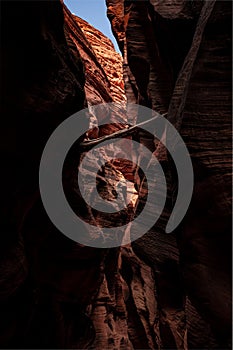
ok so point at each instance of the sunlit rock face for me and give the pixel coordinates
(103, 68)
(155, 37)
(108, 58)
(103, 65)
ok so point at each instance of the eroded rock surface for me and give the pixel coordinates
(43, 84)
(166, 291)
(48, 283)
(154, 38)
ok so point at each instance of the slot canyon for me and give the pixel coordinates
(162, 291)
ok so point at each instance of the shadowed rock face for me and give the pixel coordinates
(51, 287)
(42, 84)
(193, 267)
(166, 291)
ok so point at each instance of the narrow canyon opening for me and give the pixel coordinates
(159, 291)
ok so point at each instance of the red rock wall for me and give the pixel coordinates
(154, 38)
(108, 58)
(53, 291)
(166, 291)
(42, 82)
(102, 64)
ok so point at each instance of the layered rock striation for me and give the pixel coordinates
(165, 291)
(44, 276)
(155, 37)
(53, 291)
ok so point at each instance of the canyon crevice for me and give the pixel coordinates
(164, 291)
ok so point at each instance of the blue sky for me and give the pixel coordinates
(94, 12)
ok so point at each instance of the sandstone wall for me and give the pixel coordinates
(166, 291)
(155, 38)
